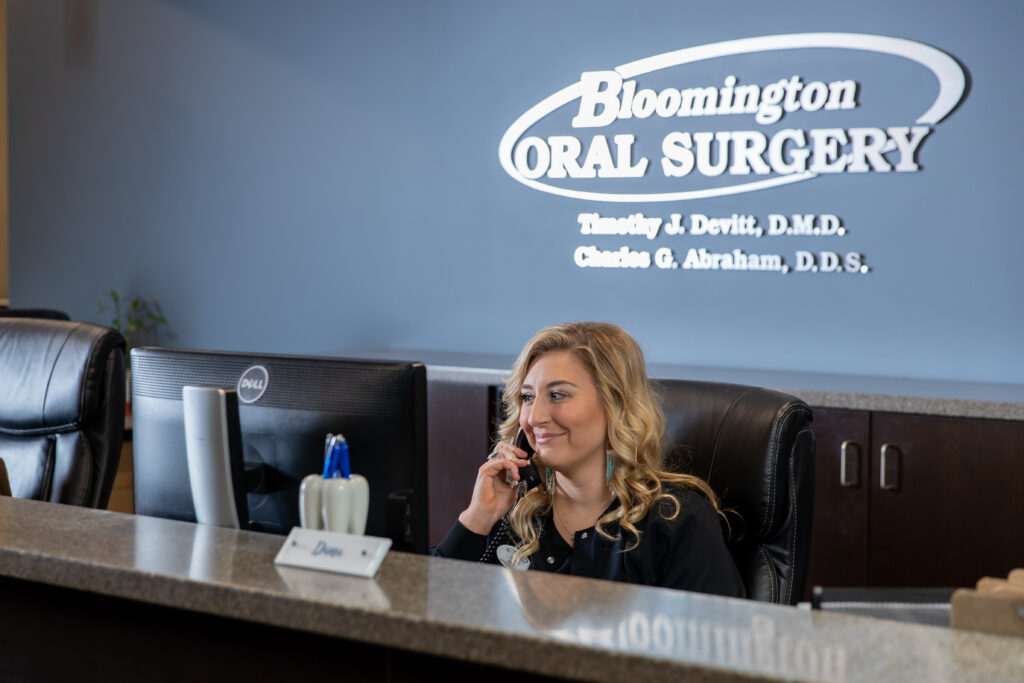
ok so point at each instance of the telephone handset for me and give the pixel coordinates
(529, 473)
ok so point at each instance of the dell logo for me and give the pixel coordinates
(252, 384)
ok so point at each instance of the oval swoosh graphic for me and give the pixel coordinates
(952, 83)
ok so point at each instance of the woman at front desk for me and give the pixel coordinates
(605, 509)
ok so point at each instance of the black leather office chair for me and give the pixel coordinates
(756, 449)
(61, 409)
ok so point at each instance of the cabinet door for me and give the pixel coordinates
(458, 419)
(947, 503)
(839, 539)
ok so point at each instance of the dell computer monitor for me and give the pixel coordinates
(286, 407)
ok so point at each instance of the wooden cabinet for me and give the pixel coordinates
(122, 494)
(839, 537)
(459, 419)
(925, 500)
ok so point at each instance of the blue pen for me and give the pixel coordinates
(336, 461)
(329, 456)
(342, 466)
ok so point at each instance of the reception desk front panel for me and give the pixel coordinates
(418, 608)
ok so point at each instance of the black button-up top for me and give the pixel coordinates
(685, 553)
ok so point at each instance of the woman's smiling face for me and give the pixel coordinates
(561, 412)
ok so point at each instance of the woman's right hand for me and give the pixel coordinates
(492, 496)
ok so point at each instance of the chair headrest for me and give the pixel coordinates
(51, 373)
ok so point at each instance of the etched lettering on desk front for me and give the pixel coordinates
(758, 647)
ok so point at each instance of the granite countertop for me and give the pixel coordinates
(824, 390)
(577, 628)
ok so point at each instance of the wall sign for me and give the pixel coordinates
(602, 152)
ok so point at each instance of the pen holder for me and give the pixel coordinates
(337, 504)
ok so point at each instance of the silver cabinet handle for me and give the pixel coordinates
(890, 467)
(849, 464)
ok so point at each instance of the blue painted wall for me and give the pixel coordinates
(315, 176)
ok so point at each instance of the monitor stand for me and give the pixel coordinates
(213, 445)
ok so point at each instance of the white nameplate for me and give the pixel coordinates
(330, 551)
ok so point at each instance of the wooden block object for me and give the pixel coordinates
(999, 610)
(992, 586)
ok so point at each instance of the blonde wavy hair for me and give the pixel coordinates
(636, 429)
